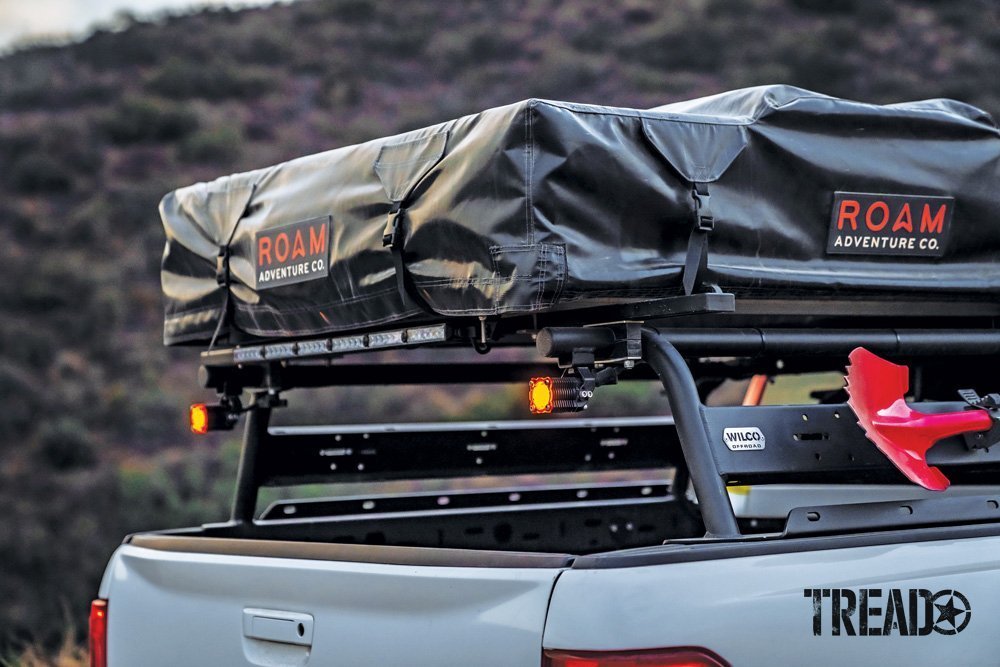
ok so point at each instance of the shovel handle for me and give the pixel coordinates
(929, 428)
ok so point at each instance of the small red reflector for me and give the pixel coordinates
(99, 633)
(669, 657)
(541, 399)
(198, 416)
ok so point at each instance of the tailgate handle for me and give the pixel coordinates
(286, 627)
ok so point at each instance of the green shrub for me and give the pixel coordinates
(216, 145)
(104, 49)
(27, 82)
(187, 492)
(29, 346)
(137, 119)
(22, 401)
(216, 79)
(65, 444)
(38, 173)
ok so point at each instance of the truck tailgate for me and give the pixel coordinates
(208, 601)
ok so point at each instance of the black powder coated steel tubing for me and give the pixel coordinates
(245, 500)
(686, 407)
(553, 341)
(220, 371)
(753, 342)
(805, 342)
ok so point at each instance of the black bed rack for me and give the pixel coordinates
(804, 443)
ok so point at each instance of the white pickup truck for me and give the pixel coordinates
(638, 559)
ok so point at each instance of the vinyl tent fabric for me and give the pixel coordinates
(541, 205)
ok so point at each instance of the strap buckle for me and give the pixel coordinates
(704, 218)
(391, 232)
(222, 266)
(696, 260)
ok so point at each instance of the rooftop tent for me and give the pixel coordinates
(541, 205)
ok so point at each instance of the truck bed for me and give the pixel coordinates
(657, 566)
(752, 602)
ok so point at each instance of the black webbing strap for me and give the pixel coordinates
(222, 280)
(222, 275)
(393, 237)
(696, 261)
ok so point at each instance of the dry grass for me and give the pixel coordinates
(70, 655)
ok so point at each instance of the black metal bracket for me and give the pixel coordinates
(853, 518)
(269, 399)
(596, 345)
(591, 356)
(379, 452)
(541, 520)
(823, 444)
(627, 346)
(991, 404)
(441, 502)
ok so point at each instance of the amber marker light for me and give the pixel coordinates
(540, 397)
(198, 417)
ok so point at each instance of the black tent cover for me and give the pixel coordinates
(544, 205)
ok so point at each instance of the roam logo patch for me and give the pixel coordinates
(905, 225)
(292, 253)
(746, 437)
(877, 612)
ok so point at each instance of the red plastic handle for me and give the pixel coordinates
(876, 388)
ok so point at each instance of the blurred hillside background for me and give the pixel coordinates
(93, 440)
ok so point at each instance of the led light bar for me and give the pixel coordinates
(387, 338)
(308, 348)
(434, 334)
(280, 351)
(437, 333)
(242, 355)
(347, 344)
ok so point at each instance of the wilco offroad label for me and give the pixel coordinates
(906, 225)
(292, 254)
(877, 612)
(747, 437)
